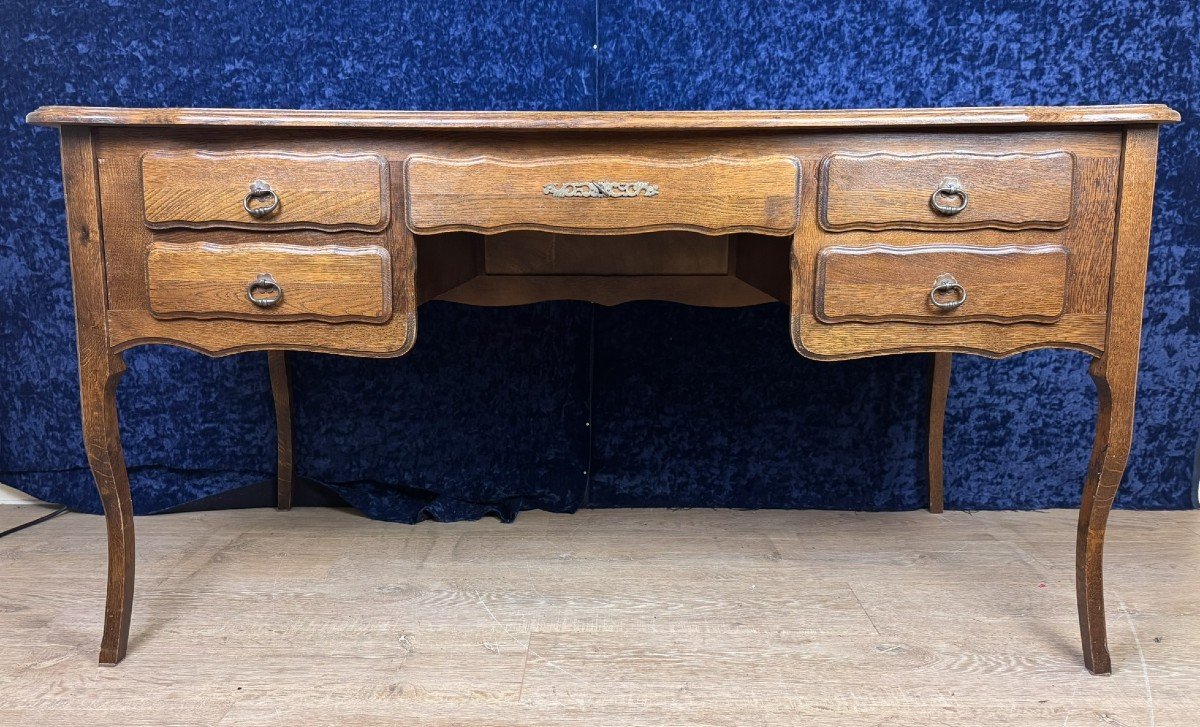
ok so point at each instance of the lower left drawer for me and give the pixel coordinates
(269, 282)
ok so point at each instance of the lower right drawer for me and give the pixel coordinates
(941, 283)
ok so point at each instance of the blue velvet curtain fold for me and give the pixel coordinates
(562, 404)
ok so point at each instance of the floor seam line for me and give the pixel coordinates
(864, 608)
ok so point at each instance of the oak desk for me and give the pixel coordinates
(988, 231)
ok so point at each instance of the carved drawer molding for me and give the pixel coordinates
(957, 190)
(269, 282)
(275, 190)
(602, 194)
(941, 283)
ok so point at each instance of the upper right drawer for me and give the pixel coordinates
(946, 191)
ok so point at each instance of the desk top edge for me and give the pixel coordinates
(607, 120)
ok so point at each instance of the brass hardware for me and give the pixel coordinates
(950, 187)
(260, 192)
(270, 292)
(947, 285)
(601, 189)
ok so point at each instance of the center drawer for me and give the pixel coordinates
(603, 194)
(269, 282)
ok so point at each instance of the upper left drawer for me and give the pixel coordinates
(282, 191)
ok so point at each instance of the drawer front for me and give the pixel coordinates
(200, 190)
(603, 194)
(269, 282)
(946, 191)
(941, 284)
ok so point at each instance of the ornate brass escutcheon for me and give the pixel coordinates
(601, 189)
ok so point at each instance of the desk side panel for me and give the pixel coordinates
(1087, 238)
(129, 241)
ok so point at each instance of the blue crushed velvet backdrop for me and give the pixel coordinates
(489, 412)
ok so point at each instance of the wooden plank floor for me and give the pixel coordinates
(609, 617)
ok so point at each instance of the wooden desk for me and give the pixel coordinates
(984, 231)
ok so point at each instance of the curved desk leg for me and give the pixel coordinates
(99, 372)
(1114, 428)
(1115, 376)
(102, 439)
(281, 390)
(938, 391)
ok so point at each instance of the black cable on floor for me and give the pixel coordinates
(31, 523)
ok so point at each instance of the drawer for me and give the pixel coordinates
(249, 190)
(946, 191)
(269, 281)
(941, 284)
(603, 194)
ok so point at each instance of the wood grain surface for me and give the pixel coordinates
(1115, 375)
(884, 283)
(607, 120)
(661, 253)
(1087, 238)
(886, 191)
(324, 283)
(711, 195)
(202, 190)
(128, 241)
(688, 618)
(100, 370)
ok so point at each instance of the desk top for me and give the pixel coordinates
(609, 120)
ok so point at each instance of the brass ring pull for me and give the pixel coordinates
(265, 199)
(950, 188)
(264, 292)
(946, 285)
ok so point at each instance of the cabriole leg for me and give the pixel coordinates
(1115, 387)
(1115, 376)
(99, 371)
(98, 385)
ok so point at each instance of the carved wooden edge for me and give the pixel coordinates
(932, 319)
(949, 223)
(1115, 377)
(281, 393)
(939, 391)
(994, 351)
(608, 230)
(219, 351)
(385, 200)
(610, 120)
(385, 261)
